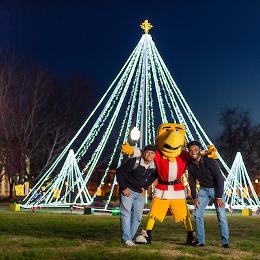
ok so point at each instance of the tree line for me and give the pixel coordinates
(38, 116)
(239, 134)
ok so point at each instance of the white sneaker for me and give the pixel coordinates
(130, 243)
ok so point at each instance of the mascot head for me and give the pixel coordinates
(171, 139)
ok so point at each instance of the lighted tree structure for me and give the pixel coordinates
(63, 188)
(239, 191)
(142, 95)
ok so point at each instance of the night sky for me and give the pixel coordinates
(212, 48)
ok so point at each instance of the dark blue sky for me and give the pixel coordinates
(212, 48)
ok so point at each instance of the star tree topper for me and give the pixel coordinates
(146, 26)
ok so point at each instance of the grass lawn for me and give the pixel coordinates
(26, 235)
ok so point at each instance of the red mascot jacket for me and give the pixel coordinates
(163, 169)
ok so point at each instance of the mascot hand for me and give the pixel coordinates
(127, 149)
(211, 152)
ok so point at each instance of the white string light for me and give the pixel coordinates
(143, 89)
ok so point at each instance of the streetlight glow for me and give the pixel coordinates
(135, 134)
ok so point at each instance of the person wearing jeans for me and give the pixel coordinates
(131, 210)
(206, 171)
(204, 196)
(134, 177)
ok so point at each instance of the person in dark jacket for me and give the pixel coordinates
(207, 172)
(134, 177)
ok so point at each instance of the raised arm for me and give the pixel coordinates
(132, 151)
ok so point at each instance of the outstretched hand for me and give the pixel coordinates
(127, 149)
(211, 152)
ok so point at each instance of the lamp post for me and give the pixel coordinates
(135, 135)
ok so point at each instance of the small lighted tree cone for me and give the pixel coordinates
(243, 194)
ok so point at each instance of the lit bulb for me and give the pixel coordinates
(135, 134)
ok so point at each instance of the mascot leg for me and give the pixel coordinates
(148, 229)
(146, 235)
(158, 211)
(181, 212)
(187, 222)
(150, 224)
(190, 233)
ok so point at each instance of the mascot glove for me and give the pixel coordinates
(127, 149)
(211, 152)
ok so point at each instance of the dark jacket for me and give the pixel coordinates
(208, 173)
(135, 179)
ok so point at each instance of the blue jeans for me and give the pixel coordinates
(204, 196)
(131, 212)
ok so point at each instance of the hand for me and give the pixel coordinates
(196, 203)
(219, 203)
(211, 152)
(127, 149)
(126, 192)
(143, 192)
